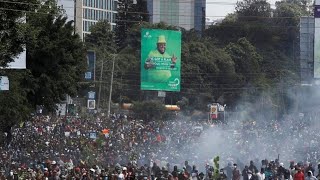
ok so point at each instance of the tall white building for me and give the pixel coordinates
(86, 13)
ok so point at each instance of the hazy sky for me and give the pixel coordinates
(217, 9)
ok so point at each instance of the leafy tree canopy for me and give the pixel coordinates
(12, 17)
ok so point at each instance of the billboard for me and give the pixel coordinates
(214, 111)
(91, 62)
(316, 64)
(91, 95)
(91, 104)
(4, 83)
(160, 60)
(61, 109)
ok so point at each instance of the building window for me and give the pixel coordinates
(115, 5)
(87, 26)
(91, 14)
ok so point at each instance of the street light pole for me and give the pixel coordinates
(111, 83)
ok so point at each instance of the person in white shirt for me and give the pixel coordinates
(261, 175)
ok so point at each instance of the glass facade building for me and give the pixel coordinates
(86, 13)
(96, 10)
(186, 14)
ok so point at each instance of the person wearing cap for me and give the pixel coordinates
(281, 170)
(92, 173)
(45, 172)
(123, 174)
(160, 55)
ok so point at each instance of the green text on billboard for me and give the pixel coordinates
(160, 60)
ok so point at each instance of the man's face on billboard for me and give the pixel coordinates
(161, 47)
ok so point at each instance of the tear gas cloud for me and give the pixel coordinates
(253, 133)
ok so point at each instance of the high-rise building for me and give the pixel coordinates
(86, 13)
(188, 14)
(200, 15)
(307, 30)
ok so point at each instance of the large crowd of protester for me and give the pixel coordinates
(121, 147)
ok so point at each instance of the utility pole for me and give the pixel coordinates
(101, 72)
(111, 83)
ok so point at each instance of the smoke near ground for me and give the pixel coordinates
(250, 136)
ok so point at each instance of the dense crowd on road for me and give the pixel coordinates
(125, 148)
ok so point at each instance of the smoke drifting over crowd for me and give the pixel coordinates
(249, 135)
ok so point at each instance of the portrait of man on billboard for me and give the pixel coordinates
(160, 51)
(160, 59)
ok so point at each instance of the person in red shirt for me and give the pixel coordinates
(299, 175)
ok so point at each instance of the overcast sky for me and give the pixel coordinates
(217, 9)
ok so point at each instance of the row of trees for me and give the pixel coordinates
(56, 59)
(250, 56)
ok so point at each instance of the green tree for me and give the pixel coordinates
(56, 57)
(102, 41)
(14, 105)
(305, 5)
(208, 72)
(248, 65)
(274, 36)
(149, 110)
(253, 9)
(247, 60)
(215, 173)
(129, 14)
(101, 38)
(12, 37)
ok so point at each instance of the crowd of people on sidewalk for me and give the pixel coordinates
(126, 148)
